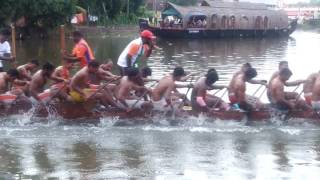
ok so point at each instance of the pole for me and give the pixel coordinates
(13, 38)
(128, 2)
(62, 41)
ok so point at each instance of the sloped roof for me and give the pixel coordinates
(235, 5)
(225, 10)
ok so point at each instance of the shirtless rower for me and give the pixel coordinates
(80, 87)
(243, 69)
(166, 89)
(39, 80)
(283, 100)
(201, 100)
(63, 72)
(308, 87)
(25, 75)
(130, 83)
(237, 91)
(285, 65)
(25, 71)
(315, 102)
(7, 79)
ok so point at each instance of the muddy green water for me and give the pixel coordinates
(195, 149)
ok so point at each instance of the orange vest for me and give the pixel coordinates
(83, 51)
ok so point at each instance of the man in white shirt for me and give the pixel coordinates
(5, 49)
(136, 51)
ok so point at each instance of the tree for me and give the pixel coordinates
(44, 14)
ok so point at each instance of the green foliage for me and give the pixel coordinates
(47, 14)
(43, 13)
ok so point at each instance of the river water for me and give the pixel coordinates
(194, 149)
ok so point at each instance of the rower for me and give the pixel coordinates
(136, 51)
(25, 75)
(316, 93)
(129, 83)
(63, 71)
(308, 87)
(285, 65)
(81, 51)
(6, 80)
(166, 90)
(201, 100)
(26, 70)
(80, 87)
(38, 82)
(243, 69)
(237, 91)
(282, 100)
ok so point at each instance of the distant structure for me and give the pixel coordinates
(215, 19)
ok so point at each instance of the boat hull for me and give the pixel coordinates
(74, 112)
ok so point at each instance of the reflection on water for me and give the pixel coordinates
(193, 150)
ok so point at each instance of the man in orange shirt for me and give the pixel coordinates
(81, 51)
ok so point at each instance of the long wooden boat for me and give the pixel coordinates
(87, 112)
(218, 19)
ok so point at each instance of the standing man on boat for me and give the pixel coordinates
(5, 49)
(136, 51)
(81, 51)
(201, 100)
(237, 91)
(283, 100)
(80, 87)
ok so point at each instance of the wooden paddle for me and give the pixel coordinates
(220, 98)
(145, 93)
(62, 41)
(14, 50)
(186, 96)
(102, 87)
(257, 90)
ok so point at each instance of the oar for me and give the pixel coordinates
(265, 89)
(55, 94)
(257, 90)
(220, 98)
(186, 96)
(62, 41)
(102, 87)
(145, 93)
(14, 51)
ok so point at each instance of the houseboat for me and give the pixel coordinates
(218, 19)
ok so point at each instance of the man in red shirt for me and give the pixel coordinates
(81, 51)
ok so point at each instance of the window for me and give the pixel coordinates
(258, 22)
(265, 22)
(224, 22)
(232, 23)
(214, 21)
